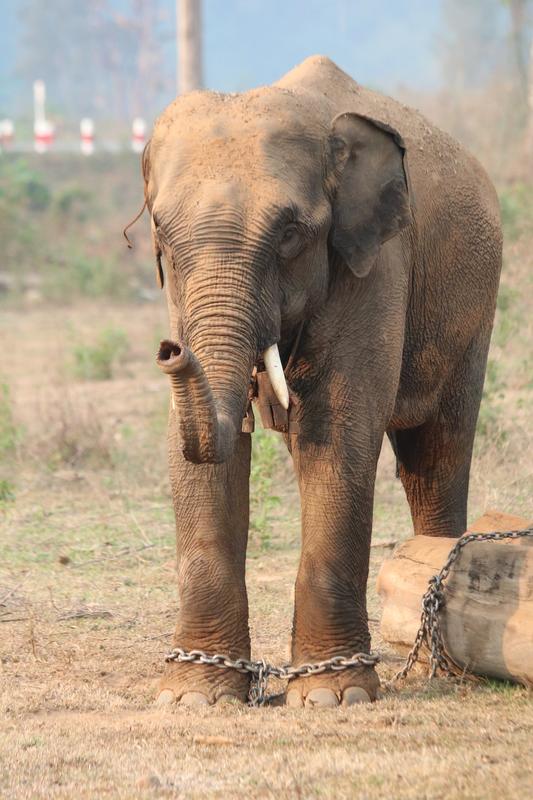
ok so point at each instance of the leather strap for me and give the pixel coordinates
(273, 415)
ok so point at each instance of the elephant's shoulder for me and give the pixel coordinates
(434, 156)
(320, 77)
(330, 91)
(431, 151)
(313, 73)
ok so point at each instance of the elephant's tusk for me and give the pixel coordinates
(275, 373)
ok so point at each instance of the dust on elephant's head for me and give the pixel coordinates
(271, 181)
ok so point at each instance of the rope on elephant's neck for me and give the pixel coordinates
(429, 635)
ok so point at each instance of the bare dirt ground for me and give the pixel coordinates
(88, 601)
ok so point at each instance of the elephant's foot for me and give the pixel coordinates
(202, 685)
(331, 689)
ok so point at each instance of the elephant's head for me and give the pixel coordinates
(250, 195)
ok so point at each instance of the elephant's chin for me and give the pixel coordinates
(207, 434)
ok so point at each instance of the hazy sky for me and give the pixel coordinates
(380, 42)
(248, 42)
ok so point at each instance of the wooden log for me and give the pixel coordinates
(487, 621)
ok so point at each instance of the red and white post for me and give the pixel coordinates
(43, 129)
(87, 136)
(7, 133)
(138, 135)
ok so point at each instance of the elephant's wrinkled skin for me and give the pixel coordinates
(315, 200)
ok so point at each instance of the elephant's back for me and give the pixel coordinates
(441, 169)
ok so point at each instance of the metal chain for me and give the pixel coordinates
(429, 633)
(261, 670)
(434, 600)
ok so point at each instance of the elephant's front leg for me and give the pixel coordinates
(330, 618)
(212, 512)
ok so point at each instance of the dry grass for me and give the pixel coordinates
(88, 603)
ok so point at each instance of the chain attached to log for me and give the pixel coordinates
(261, 670)
(434, 600)
(429, 634)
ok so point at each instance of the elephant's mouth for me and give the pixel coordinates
(208, 433)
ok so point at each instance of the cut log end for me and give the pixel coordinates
(487, 621)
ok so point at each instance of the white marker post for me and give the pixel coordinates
(7, 133)
(43, 129)
(87, 136)
(43, 136)
(138, 135)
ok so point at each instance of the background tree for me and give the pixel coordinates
(520, 35)
(189, 16)
(101, 58)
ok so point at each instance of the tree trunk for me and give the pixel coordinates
(529, 126)
(518, 26)
(487, 621)
(189, 45)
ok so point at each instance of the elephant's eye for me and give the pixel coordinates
(291, 241)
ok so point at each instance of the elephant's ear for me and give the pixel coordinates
(371, 202)
(145, 167)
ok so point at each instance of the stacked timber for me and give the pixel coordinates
(487, 620)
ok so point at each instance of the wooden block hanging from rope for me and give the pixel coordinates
(487, 621)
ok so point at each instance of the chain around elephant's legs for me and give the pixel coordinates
(211, 506)
(330, 615)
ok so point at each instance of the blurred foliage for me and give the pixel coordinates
(61, 221)
(508, 318)
(7, 492)
(73, 201)
(490, 426)
(10, 436)
(73, 435)
(97, 57)
(516, 203)
(95, 362)
(8, 429)
(266, 462)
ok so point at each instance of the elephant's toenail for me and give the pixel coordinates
(166, 698)
(194, 699)
(354, 695)
(293, 698)
(321, 698)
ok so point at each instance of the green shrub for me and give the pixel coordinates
(7, 492)
(265, 464)
(516, 204)
(64, 235)
(9, 432)
(489, 425)
(9, 440)
(80, 274)
(507, 316)
(23, 186)
(73, 435)
(74, 202)
(95, 362)
(37, 194)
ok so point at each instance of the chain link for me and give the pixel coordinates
(261, 670)
(429, 634)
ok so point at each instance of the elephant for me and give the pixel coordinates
(318, 213)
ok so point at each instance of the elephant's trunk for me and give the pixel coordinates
(207, 434)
